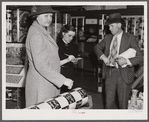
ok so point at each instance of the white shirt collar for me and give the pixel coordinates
(118, 35)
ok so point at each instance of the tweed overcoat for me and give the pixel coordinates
(43, 79)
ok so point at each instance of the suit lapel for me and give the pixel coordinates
(123, 43)
(109, 43)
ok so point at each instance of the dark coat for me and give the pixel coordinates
(127, 41)
(70, 49)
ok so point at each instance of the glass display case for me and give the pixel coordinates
(17, 24)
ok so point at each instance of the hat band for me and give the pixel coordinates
(115, 20)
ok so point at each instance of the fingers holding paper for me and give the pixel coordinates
(121, 60)
(71, 57)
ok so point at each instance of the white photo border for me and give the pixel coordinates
(96, 114)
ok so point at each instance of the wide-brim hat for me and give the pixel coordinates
(114, 18)
(36, 10)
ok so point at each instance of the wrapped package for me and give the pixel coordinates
(74, 99)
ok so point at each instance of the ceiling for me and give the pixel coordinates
(68, 8)
(56, 7)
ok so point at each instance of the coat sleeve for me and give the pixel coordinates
(99, 48)
(41, 61)
(139, 55)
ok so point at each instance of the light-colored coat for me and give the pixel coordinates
(43, 79)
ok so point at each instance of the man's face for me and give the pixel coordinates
(115, 28)
(45, 19)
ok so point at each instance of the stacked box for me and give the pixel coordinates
(8, 26)
(101, 34)
(136, 101)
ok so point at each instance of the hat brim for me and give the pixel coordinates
(43, 12)
(111, 21)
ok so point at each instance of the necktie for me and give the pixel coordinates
(113, 51)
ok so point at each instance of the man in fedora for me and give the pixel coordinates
(118, 79)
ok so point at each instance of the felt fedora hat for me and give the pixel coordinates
(114, 18)
(36, 10)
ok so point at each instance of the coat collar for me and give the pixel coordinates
(45, 32)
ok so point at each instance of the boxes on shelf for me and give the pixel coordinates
(136, 101)
(135, 25)
(17, 24)
(16, 65)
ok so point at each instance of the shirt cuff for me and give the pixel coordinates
(128, 62)
(101, 57)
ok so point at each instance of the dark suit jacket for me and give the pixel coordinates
(127, 41)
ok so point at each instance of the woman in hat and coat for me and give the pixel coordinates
(117, 71)
(43, 80)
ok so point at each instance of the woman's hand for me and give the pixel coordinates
(71, 58)
(69, 83)
(74, 61)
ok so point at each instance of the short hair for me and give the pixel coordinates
(66, 29)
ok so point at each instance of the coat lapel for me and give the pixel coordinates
(108, 44)
(123, 43)
(43, 30)
(52, 40)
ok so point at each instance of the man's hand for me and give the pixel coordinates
(105, 60)
(121, 61)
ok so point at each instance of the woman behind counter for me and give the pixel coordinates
(67, 47)
(43, 79)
